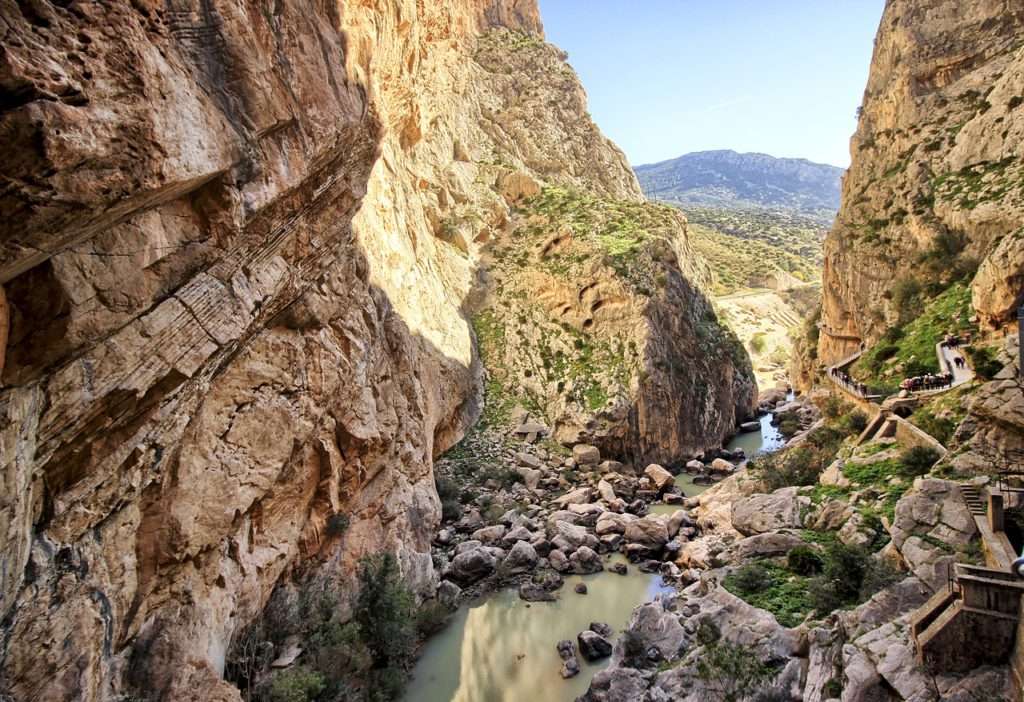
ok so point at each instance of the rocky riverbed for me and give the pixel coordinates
(554, 526)
(572, 534)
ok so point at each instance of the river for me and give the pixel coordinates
(502, 649)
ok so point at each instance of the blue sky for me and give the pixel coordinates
(666, 77)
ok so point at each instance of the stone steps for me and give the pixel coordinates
(972, 497)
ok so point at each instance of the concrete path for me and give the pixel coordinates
(947, 358)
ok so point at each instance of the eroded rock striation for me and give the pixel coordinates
(241, 245)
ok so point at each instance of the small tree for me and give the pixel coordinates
(730, 671)
(384, 611)
(917, 460)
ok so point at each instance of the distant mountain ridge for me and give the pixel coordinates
(731, 180)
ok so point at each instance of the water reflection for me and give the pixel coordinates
(766, 440)
(503, 649)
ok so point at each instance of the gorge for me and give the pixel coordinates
(323, 324)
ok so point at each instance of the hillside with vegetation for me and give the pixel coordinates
(754, 249)
(730, 180)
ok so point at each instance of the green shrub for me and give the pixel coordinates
(299, 684)
(337, 651)
(833, 689)
(757, 342)
(826, 438)
(850, 576)
(384, 611)
(905, 293)
(386, 684)
(797, 467)
(941, 428)
(752, 578)
(804, 560)
(984, 362)
(732, 672)
(834, 406)
(449, 493)
(337, 524)
(879, 575)
(773, 589)
(854, 423)
(917, 461)
(451, 510)
(509, 477)
(788, 423)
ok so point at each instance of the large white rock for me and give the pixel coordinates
(586, 455)
(763, 513)
(659, 476)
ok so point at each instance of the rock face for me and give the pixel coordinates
(217, 208)
(238, 249)
(935, 184)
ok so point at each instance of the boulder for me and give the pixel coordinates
(490, 535)
(567, 652)
(694, 466)
(559, 561)
(472, 566)
(593, 646)
(467, 546)
(766, 545)
(606, 491)
(585, 560)
(830, 515)
(763, 513)
(531, 477)
(615, 467)
(586, 455)
(580, 589)
(659, 477)
(518, 186)
(578, 496)
(931, 522)
(618, 684)
(748, 427)
(448, 593)
(562, 515)
(722, 467)
(532, 592)
(528, 460)
(520, 559)
(655, 627)
(587, 509)
(570, 668)
(650, 532)
(613, 523)
(531, 430)
(574, 535)
(519, 533)
(676, 521)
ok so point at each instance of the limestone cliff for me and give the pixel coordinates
(241, 244)
(935, 192)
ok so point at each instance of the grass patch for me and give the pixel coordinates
(909, 350)
(773, 589)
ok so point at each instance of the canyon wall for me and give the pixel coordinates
(935, 191)
(242, 244)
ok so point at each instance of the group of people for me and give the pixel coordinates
(847, 380)
(953, 341)
(931, 381)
